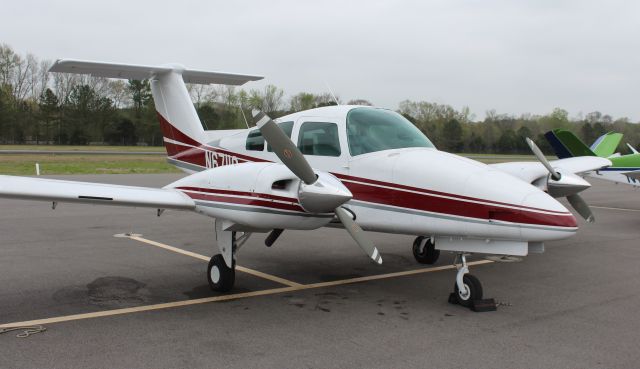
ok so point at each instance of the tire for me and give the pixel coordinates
(221, 278)
(427, 254)
(474, 285)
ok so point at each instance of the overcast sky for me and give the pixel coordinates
(511, 56)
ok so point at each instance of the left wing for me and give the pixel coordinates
(530, 171)
(92, 193)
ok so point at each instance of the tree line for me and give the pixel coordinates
(39, 107)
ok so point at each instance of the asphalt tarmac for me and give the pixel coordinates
(110, 302)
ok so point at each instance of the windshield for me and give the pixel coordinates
(371, 130)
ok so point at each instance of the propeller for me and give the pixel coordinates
(318, 193)
(541, 158)
(564, 185)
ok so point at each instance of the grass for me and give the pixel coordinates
(84, 164)
(82, 148)
(24, 164)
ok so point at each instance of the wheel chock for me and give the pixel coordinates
(484, 305)
(476, 305)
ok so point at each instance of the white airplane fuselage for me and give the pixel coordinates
(414, 191)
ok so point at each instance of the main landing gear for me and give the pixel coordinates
(424, 250)
(221, 272)
(221, 278)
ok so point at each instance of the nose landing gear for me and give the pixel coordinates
(467, 291)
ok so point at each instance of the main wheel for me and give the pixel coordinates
(473, 286)
(424, 251)
(221, 278)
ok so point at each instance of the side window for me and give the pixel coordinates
(319, 138)
(255, 141)
(287, 127)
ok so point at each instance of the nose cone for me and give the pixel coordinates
(539, 215)
(544, 210)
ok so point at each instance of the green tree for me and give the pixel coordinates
(49, 112)
(452, 136)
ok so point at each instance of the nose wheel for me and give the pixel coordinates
(471, 291)
(424, 250)
(467, 291)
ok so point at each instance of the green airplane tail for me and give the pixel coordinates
(566, 144)
(606, 144)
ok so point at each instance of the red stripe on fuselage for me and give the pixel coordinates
(436, 204)
(345, 177)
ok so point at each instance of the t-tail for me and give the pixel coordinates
(181, 128)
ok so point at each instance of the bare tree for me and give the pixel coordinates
(360, 102)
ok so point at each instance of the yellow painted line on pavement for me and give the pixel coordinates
(239, 268)
(610, 208)
(235, 296)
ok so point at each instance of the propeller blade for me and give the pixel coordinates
(536, 151)
(578, 203)
(358, 235)
(284, 148)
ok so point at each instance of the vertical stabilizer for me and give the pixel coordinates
(566, 144)
(606, 144)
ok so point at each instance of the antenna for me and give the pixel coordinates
(331, 92)
(243, 116)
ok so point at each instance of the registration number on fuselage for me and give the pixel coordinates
(215, 159)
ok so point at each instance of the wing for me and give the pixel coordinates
(529, 171)
(92, 193)
(635, 174)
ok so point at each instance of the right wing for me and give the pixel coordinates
(55, 190)
(530, 171)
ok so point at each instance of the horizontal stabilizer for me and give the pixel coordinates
(134, 71)
(45, 189)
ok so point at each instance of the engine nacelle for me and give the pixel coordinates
(259, 196)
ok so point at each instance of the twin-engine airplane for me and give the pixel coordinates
(341, 166)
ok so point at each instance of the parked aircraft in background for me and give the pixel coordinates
(624, 168)
(353, 167)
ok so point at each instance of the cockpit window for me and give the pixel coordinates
(371, 130)
(319, 138)
(255, 141)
